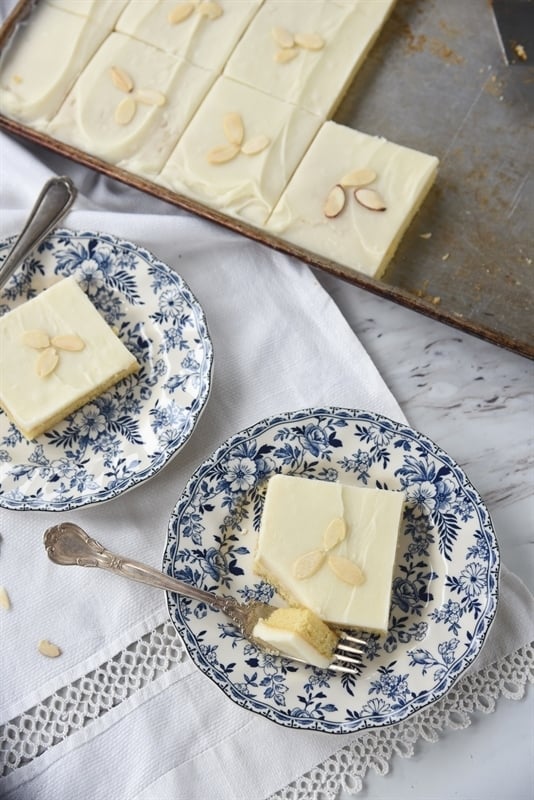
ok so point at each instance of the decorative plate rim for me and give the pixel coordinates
(178, 607)
(145, 264)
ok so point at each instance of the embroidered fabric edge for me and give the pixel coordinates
(347, 768)
(75, 706)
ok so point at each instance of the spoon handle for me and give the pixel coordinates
(57, 196)
(68, 544)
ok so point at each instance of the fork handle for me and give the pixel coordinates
(67, 544)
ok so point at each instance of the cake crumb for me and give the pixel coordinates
(5, 602)
(424, 295)
(520, 52)
(425, 235)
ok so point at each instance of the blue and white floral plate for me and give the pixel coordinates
(445, 584)
(131, 431)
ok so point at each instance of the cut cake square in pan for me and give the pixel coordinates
(307, 53)
(130, 104)
(43, 59)
(239, 151)
(203, 33)
(352, 198)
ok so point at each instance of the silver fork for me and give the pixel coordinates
(68, 544)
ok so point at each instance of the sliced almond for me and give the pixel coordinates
(5, 602)
(358, 178)
(48, 649)
(68, 341)
(283, 37)
(369, 198)
(335, 202)
(255, 145)
(347, 571)
(285, 56)
(307, 565)
(233, 127)
(150, 97)
(210, 9)
(222, 154)
(309, 41)
(335, 533)
(37, 339)
(121, 79)
(47, 362)
(180, 12)
(125, 111)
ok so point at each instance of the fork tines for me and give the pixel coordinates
(347, 655)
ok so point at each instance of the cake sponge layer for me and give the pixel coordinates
(299, 633)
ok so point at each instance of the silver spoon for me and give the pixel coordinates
(57, 196)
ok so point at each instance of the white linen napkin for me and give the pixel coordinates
(280, 343)
(178, 739)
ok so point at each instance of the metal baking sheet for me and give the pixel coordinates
(435, 80)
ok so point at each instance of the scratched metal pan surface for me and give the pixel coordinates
(436, 80)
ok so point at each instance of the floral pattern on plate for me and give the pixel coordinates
(127, 434)
(444, 594)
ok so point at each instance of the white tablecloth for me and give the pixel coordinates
(280, 343)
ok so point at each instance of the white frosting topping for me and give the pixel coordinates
(199, 39)
(62, 310)
(358, 237)
(290, 644)
(38, 67)
(312, 79)
(168, 125)
(296, 515)
(102, 11)
(165, 92)
(247, 186)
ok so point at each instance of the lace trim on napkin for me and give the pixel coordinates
(75, 706)
(479, 691)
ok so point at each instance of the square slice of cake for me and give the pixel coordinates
(352, 198)
(331, 548)
(204, 33)
(130, 104)
(308, 53)
(57, 353)
(239, 151)
(40, 63)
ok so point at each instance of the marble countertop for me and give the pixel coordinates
(476, 401)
